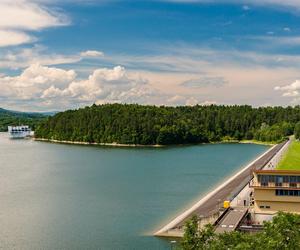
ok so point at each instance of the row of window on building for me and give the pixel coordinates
(283, 192)
(278, 179)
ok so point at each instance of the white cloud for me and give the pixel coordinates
(176, 99)
(152, 79)
(54, 88)
(207, 103)
(32, 82)
(16, 58)
(290, 90)
(103, 83)
(49, 88)
(92, 53)
(22, 58)
(192, 101)
(9, 38)
(20, 16)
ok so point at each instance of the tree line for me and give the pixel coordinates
(149, 125)
(13, 118)
(282, 233)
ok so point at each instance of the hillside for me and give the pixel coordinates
(149, 125)
(8, 118)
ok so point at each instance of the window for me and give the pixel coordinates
(268, 207)
(261, 206)
(264, 180)
(282, 192)
(286, 179)
(279, 180)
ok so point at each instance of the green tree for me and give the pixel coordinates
(190, 239)
(282, 233)
(148, 125)
(297, 130)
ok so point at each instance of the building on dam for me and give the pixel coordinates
(275, 190)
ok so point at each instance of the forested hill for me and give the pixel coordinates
(8, 118)
(148, 125)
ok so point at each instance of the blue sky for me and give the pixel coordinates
(55, 56)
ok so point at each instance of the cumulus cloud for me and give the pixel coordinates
(92, 53)
(55, 88)
(291, 90)
(32, 82)
(41, 87)
(20, 16)
(103, 84)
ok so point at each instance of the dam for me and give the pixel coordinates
(208, 208)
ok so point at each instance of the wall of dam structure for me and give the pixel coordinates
(235, 189)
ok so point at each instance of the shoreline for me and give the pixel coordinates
(114, 144)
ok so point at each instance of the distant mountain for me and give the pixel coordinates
(8, 118)
(50, 113)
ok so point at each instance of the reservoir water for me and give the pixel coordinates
(55, 196)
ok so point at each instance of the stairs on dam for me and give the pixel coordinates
(231, 219)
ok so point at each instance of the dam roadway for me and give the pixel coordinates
(210, 204)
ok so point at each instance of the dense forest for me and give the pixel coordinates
(149, 125)
(8, 118)
(282, 233)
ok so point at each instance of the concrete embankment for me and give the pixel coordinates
(206, 207)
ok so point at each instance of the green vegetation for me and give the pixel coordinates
(283, 232)
(297, 130)
(149, 125)
(8, 118)
(291, 160)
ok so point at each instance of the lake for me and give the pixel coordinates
(55, 196)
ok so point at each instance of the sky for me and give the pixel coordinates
(57, 55)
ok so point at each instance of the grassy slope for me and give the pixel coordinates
(291, 160)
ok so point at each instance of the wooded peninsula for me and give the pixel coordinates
(152, 125)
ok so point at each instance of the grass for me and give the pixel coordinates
(291, 159)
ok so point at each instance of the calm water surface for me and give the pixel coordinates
(80, 197)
